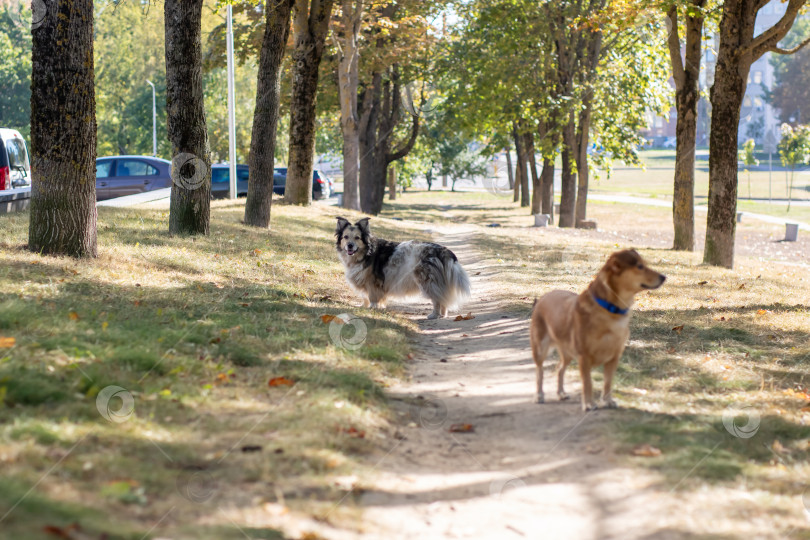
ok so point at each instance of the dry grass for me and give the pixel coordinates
(711, 341)
(193, 329)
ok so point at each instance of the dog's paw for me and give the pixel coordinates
(563, 396)
(432, 316)
(588, 407)
(609, 404)
(540, 399)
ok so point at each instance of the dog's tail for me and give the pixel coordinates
(457, 284)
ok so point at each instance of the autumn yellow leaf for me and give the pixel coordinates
(326, 319)
(7, 342)
(462, 428)
(280, 381)
(73, 316)
(646, 450)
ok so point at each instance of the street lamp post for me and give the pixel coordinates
(231, 112)
(154, 120)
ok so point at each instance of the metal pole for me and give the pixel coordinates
(231, 111)
(154, 121)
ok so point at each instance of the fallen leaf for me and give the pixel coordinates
(62, 532)
(741, 286)
(779, 448)
(671, 350)
(251, 448)
(762, 311)
(73, 316)
(702, 282)
(462, 428)
(466, 317)
(326, 319)
(678, 329)
(245, 304)
(646, 450)
(353, 432)
(6, 342)
(280, 381)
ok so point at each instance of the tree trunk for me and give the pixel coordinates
(509, 168)
(63, 132)
(727, 93)
(547, 174)
(185, 119)
(583, 137)
(368, 144)
(520, 170)
(568, 190)
(525, 194)
(265, 116)
(738, 49)
(310, 27)
(392, 184)
(348, 81)
(537, 191)
(686, 76)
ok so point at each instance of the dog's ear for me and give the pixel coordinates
(363, 225)
(342, 223)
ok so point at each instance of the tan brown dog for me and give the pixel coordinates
(592, 327)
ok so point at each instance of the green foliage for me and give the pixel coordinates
(747, 155)
(794, 150)
(15, 68)
(791, 89)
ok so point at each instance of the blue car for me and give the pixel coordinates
(117, 176)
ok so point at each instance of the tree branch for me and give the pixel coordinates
(408, 146)
(773, 35)
(795, 49)
(674, 46)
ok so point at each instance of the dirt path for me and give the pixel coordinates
(527, 471)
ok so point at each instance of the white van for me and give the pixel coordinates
(15, 170)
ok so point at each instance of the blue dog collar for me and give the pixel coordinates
(613, 308)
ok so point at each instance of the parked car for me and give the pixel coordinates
(220, 180)
(321, 184)
(117, 176)
(15, 169)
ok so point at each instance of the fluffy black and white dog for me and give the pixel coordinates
(377, 268)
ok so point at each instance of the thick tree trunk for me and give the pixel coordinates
(348, 81)
(392, 184)
(310, 27)
(686, 73)
(369, 153)
(185, 118)
(739, 48)
(583, 138)
(537, 191)
(63, 132)
(525, 194)
(265, 116)
(727, 94)
(568, 190)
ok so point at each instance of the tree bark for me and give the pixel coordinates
(686, 74)
(738, 49)
(568, 190)
(537, 191)
(583, 138)
(368, 143)
(348, 82)
(189, 209)
(392, 184)
(520, 169)
(311, 23)
(63, 132)
(509, 168)
(265, 117)
(547, 174)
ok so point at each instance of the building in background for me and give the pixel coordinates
(757, 117)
